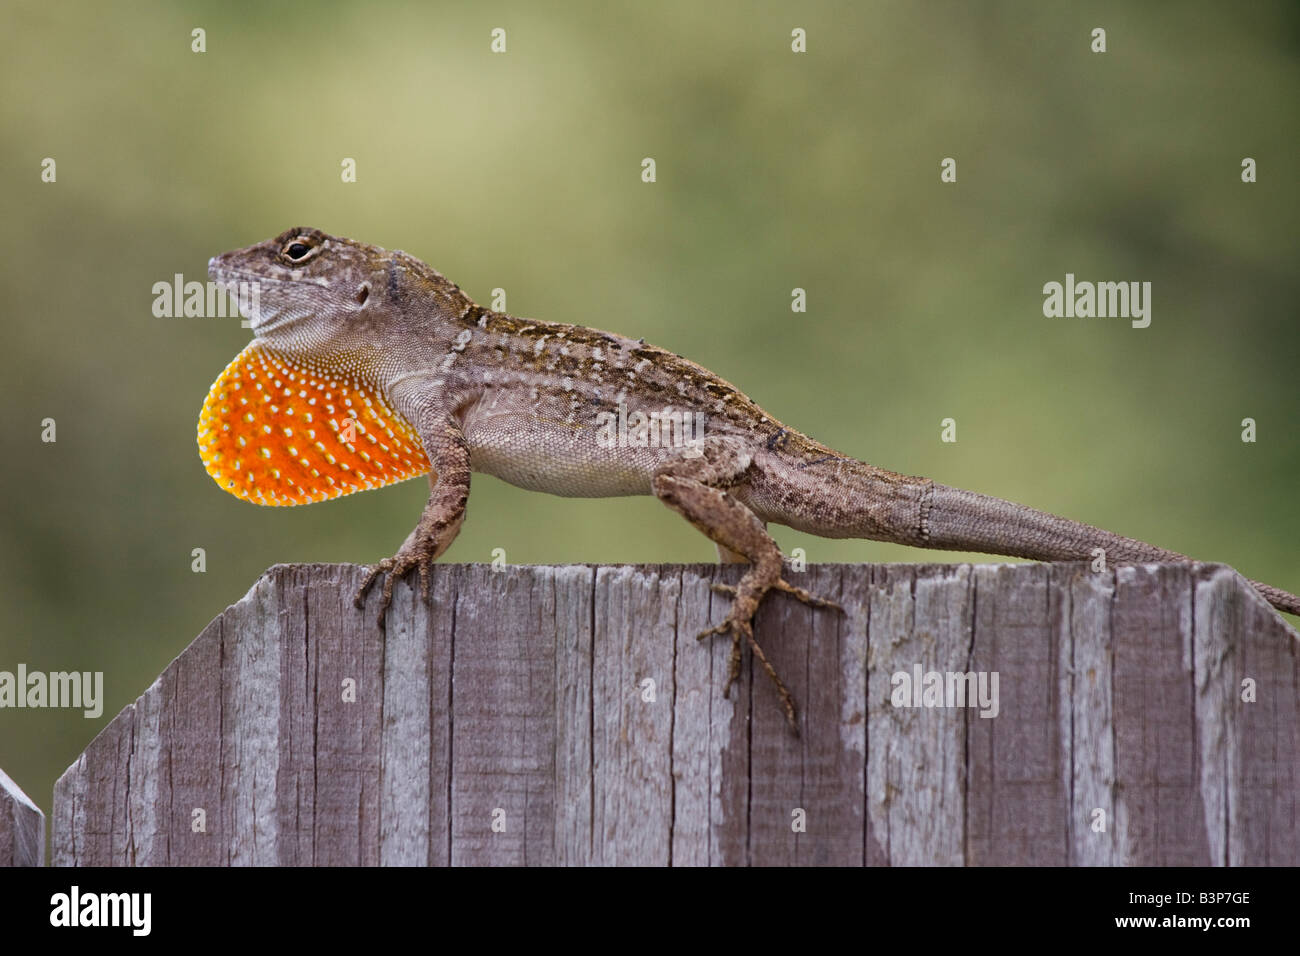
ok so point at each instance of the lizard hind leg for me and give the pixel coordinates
(690, 486)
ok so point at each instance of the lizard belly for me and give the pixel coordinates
(558, 458)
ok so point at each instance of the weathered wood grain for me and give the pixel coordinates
(1159, 814)
(539, 715)
(22, 827)
(1018, 764)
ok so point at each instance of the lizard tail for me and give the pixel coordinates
(838, 497)
(953, 519)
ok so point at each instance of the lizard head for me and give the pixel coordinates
(311, 288)
(315, 292)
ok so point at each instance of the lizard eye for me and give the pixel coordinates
(296, 251)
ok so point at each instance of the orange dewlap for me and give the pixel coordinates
(273, 432)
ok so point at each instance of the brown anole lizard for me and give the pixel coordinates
(369, 367)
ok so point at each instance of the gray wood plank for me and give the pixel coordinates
(574, 715)
(192, 731)
(1016, 773)
(415, 733)
(1267, 828)
(1248, 749)
(920, 618)
(1156, 772)
(782, 627)
(1093, 820)
(340, 673)
(250, 726)
(22, 827)
(710, 732)
(808, 794)
(504, 721)
(632, 807)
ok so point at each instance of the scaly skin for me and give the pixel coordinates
(351, 333)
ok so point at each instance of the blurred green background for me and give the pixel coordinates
(522, 170)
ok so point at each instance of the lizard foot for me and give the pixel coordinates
(408, 558)
(783, 585)
(739, 624)
(741, 629)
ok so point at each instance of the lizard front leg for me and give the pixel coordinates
(439, 523)
(696, 489)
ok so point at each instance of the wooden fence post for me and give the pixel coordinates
(22, 827)
(567, 715)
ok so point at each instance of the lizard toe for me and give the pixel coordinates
(359, 599)
(800, 594)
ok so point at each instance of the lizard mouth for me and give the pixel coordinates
(283, 308)
(245, 288)
(221, 273)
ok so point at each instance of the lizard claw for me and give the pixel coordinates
(743, 629)
(399, 565)
(738, 630)
(800, 594)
